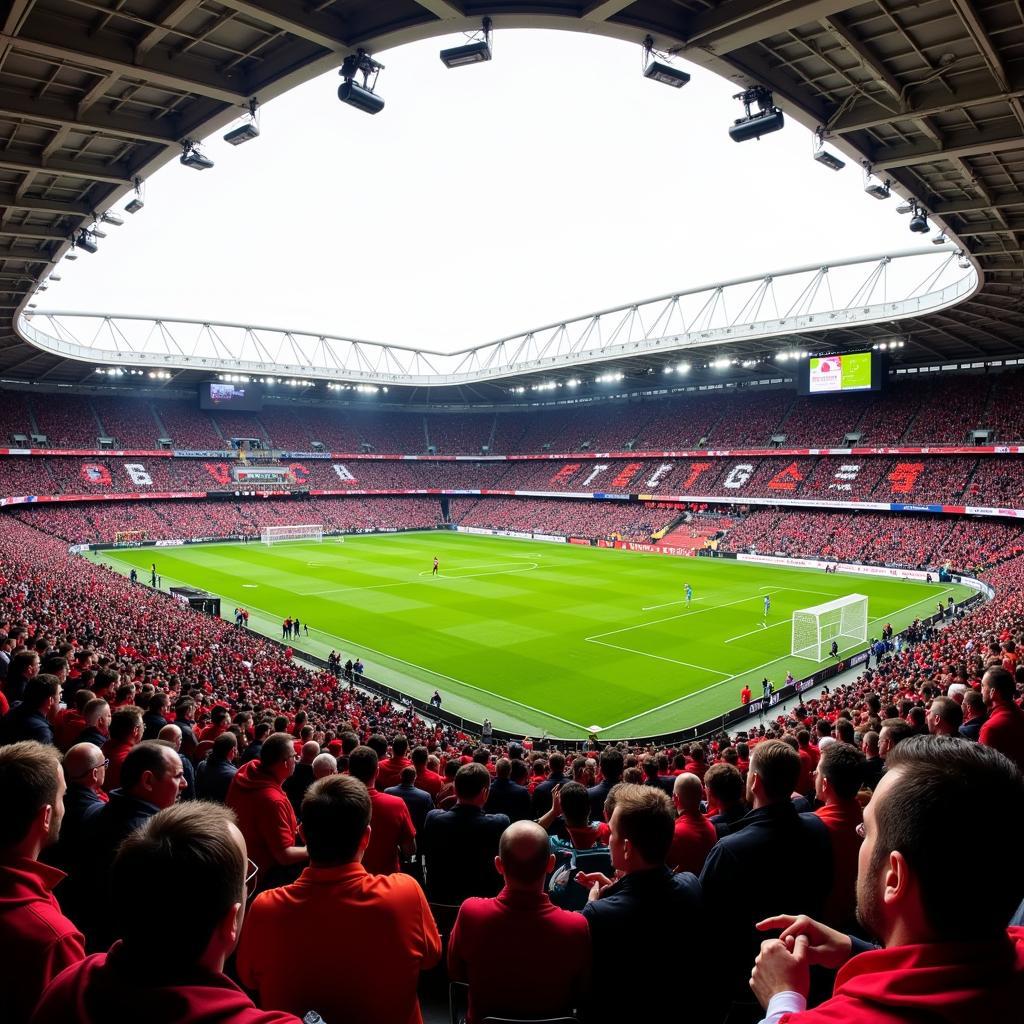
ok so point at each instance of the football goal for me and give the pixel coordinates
(844, 620)
(279, 534)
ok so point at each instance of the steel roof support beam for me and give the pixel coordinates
(739, 23)
(85, 170)
(961, 143)
(301, 20)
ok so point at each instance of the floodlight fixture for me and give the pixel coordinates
(476, 51)
(661, 70)
(919, 221)
(98, 232)
(362, 97)
(112, 218)
(85, 240)
(823, 156)
(940, 239)
(70, 256)
(962, 261)
(904, 208)
(54, 277)
(768, 118)
(244, 132)
(191, 156)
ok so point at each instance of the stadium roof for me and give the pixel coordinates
(95, 95)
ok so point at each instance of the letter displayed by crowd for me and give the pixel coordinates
(172, 787)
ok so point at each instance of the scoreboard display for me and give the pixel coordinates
(841, 373)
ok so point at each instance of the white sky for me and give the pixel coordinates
(482, 201)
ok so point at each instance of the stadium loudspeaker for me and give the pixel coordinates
(756, 125)
(359, 97)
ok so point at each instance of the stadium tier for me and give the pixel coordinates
(939, 410)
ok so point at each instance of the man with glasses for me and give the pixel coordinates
(265, 815)
(173, 971)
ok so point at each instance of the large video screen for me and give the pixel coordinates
(232, 397)
(841, 373)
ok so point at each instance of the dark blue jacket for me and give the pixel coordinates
(213, 777)
(419, 802)
(541, 803)
(509, 798)
(773, 861)
(90, 734)
(647, 931)
(972, 730)
(22, 723)
(459, 847)
(598, 794)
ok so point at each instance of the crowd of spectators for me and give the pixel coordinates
(930, 542)
(934, 409)
(345, 845)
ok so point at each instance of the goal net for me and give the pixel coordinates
(844, 620)
(279, 534)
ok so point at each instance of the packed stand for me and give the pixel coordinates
(66, 424)
(950, 408)
(459, 434)
(189, 427)
(15, 419)
(129, 421)
(823, 421)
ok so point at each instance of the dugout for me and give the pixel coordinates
(200, 600)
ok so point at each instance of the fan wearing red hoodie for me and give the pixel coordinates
(265, 814)
(1004, 727)
(944, 957)
(38, 940)
(171, 971)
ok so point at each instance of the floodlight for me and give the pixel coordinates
(87, 242)
(878, 191)
(243, 133)
(940, 239)
(753, 125)
(70, 256)
(55, 277)
(112, 218)
(905, 208)
(98, 232)
(474, 52)
(830, 160)
(362, 97)
(666, 74)
(247, 131)
(133, 205)
(192, 157)
(919, 222)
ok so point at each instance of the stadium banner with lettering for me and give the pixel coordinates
(655, 549)
(852, 567)
(162, 453)
(41, 499)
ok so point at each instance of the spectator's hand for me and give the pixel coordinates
(595, 881)
(556, 800)
(781, 966)
(826, 947)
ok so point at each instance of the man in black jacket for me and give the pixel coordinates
(556, 777)
(30, 720)
(612, 766)
(636, 922)
(214, 775)
(771, 859)
(97, 723)
(253, 751)
(459, 846)
(505, 796)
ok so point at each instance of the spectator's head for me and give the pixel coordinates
(844, 731)
(225, 747)
(612, 764)
(642, 825)
(310, 750)
(575, 805)
(725, 785)
(85, 765)
(869, 743)
(336, 820)
(893, 731)
(97, 715)
(774, 770)
(973, 706)
(326, 764)
(24, 665)
(362, 765)
(126, 725)
(472, 784)
(193, 848)
(520, 773)
(941, 802)
(419, 758)
(56, 665)
(997, 687)
(152, 772)
(171, 735)
(839, 774)
(556, 763)
(277, 755)
(399, 746)
(379, 745)
(944, 717)
(262, 731)
(524, 856)
(502, 769)
(408, 776)
(687, 793)
(349, 741)
(42, 694)
(31, 799)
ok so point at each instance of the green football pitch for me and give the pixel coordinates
(537, 636)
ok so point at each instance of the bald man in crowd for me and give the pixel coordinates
(532, 934)
(323, 765)
(172, 734)
(694, 835)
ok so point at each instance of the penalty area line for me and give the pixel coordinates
(659, 657)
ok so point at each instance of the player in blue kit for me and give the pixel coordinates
(767, 604)
(689, 593)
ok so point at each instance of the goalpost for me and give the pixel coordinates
(279, 534)
(844, 620)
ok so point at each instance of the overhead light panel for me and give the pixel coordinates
(191, 156)
(766, 119)
(112, 218)
(70, 256)
(904, 208)
(247, 131)
(84, 240)
(362, 97)
(829, 160)
(940, 239)
(476, 51)
(661, 70)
